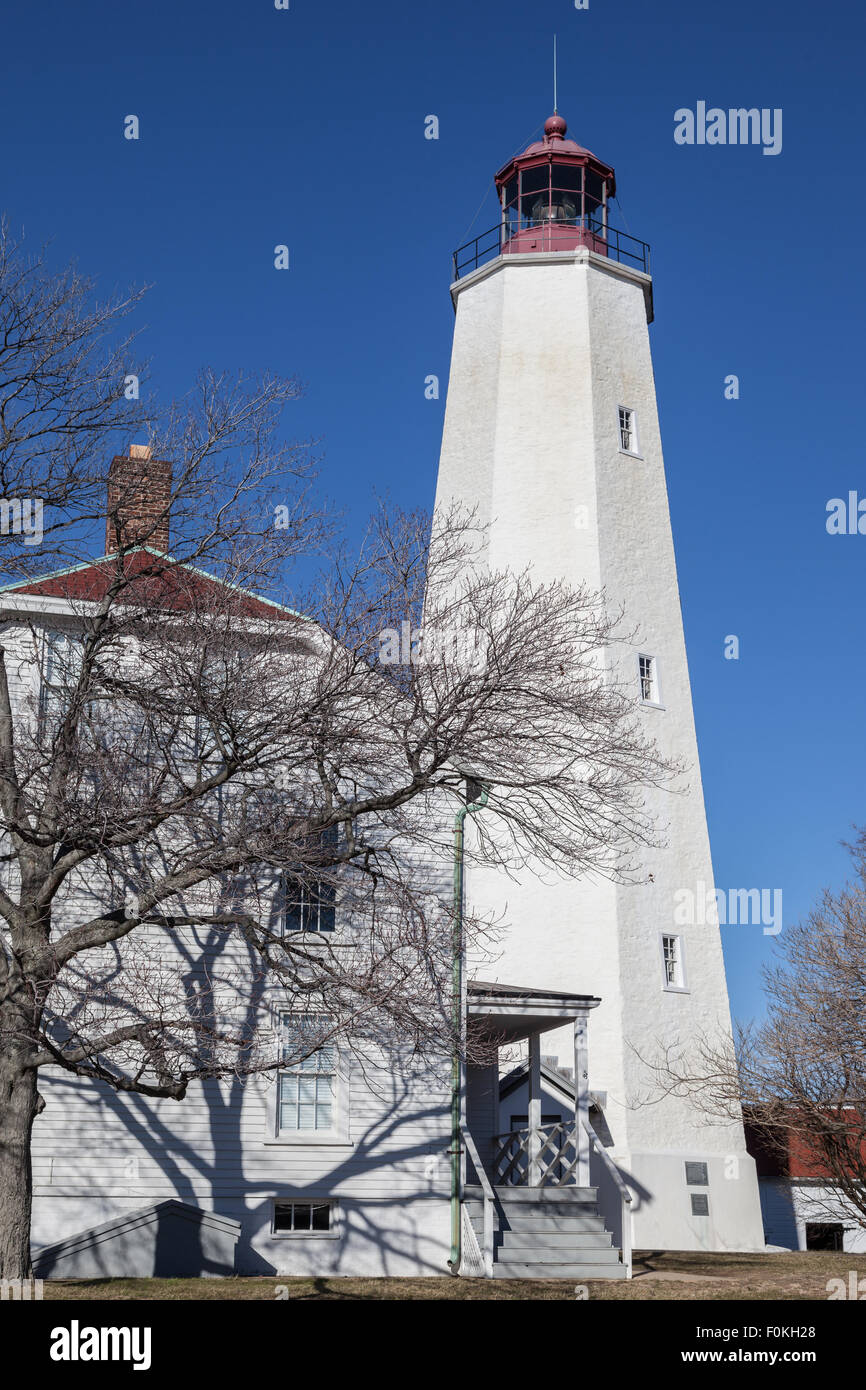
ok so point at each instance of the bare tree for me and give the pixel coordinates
(800, 1075)
(202, 768)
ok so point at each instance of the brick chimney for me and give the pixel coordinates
(139, 493)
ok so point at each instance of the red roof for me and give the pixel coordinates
(155, 580)
(794, 1155)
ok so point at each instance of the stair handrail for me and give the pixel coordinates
(625, 1195)
(471, 1258)
(489, 1200)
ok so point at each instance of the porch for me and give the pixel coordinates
(530, 1206)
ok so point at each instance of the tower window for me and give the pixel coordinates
(673, 973)
(696, 1175)
(628, 430)
(700, 1204)
(649, 679)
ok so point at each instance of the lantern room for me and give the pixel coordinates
(555, 195)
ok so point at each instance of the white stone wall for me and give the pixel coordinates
(546, 349)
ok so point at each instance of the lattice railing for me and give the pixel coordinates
(554, 1155)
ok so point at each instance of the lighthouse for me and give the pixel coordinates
(551, 435)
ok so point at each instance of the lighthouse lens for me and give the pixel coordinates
(563, 209)
(558, 208)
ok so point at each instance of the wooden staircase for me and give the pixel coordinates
(546, 1233)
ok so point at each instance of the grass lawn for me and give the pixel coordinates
(668, 1275)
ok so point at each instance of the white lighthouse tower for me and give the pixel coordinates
(551, 433)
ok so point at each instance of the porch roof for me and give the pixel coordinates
(514, 1012)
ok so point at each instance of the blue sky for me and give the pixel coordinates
(306, 127)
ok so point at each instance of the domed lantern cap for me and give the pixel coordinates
(556, 149)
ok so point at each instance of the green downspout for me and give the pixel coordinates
(482, 792)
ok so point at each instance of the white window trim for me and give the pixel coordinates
(336, 1231)
(657, 703)
(682, 988)
(51, 636)
(634, 453)
(339, 1136)
(308, 935)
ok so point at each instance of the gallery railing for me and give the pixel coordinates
(509, 239)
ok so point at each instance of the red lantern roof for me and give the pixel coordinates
(554, 146)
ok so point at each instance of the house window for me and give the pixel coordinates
(700, 1204)
(303, 1218)
(308, 905)
(648, 676)
(307, 1084)
(309, 901)
(696, 1175)
(672, 962)
(826, 1235)
(61, 667)
(205, 753)
(627, 430)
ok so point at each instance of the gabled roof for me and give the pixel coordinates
(517, 1077)
(170, 584)
(555, 1079)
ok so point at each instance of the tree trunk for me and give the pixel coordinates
(19, 1105)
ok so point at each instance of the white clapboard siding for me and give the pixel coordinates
(98, 1155)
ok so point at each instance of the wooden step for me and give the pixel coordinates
(535, 1195)
(552, 1240)
(584, 1269)
(544, 1225)
(533, 1211)
(541, 1255)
